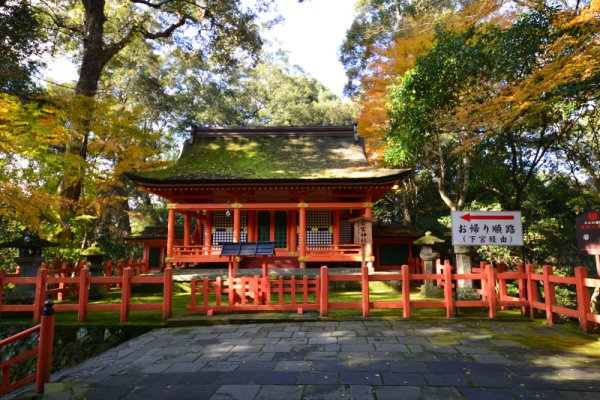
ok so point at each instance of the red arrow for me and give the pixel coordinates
(469, 217)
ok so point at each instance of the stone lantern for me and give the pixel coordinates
(95, 256)
(29, 261)
(429, 256)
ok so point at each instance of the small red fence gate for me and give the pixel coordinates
(254, 293)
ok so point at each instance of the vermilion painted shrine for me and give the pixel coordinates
(308, 189)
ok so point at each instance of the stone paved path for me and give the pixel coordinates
(366, 359)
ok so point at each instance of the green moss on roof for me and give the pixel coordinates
(269, 157)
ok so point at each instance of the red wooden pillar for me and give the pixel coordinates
(324, 304)
(252, 231)
(365, 291)
(549, 294)
(208, 234)
(406, 291)
(272, 226)
(336, 228)
(187, 225)
(237, 221)
(293, 231)
(302, 250)
(369, 245)
(46, 341)
(170, 234)
(583, 298)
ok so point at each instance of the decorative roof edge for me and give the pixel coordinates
(177, 182)
(344, 130)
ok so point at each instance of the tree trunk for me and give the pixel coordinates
(94, 60)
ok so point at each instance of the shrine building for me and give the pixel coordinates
(310, 190)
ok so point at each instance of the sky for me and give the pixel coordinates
(312, 34)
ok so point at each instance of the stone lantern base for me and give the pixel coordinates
(432, 291)
(467, 293)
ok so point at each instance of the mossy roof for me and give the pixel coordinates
(276, 153)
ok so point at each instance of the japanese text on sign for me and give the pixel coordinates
(489, 228)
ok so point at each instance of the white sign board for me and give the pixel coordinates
(487, 228)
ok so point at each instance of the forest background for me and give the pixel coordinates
(493, 104)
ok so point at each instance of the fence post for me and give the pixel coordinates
(501, 283)
(522, 288)
(126, 295)
(84, 284)
(549, 294)
(365, 291)
(448, 298)
(583, 298)
(324, 291)
(40, 293)
(406, 291)
(46, 341)
(168, 292)
(531, 289)
(484, 284)
(491, 289)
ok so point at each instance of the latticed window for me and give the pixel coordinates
(319, 228)
(222, 228)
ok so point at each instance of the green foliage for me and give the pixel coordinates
(21, 40)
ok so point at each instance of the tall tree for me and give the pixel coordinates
(96, 31)
(21, 42)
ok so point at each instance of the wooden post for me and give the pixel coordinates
(335, 228)
(192, 292)
(167, 293)
(265, 266)
(448, 298)
(549, 294)
(170, 233)
(324, 291)
(491, 290)
(531, 289)
(208, 233)
(583, 298)
(365, 290)
(187, 229)
(302, 250)
(40, 293)
(406, 291)
(84, 284)
(369, 245)
(252, 231)
(237, 221)
(126, 295)
(293, 231)
(502, 284)
(522, 288)
(46, 342)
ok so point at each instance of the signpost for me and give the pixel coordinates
(588, 235)
(487, 228)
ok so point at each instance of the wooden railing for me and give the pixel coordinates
(254, 293)
(333, 249)
(183, 252)
(43, 353)
(80, 286)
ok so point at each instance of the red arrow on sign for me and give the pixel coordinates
(469, 217)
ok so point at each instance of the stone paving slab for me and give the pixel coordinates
(366, 359)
